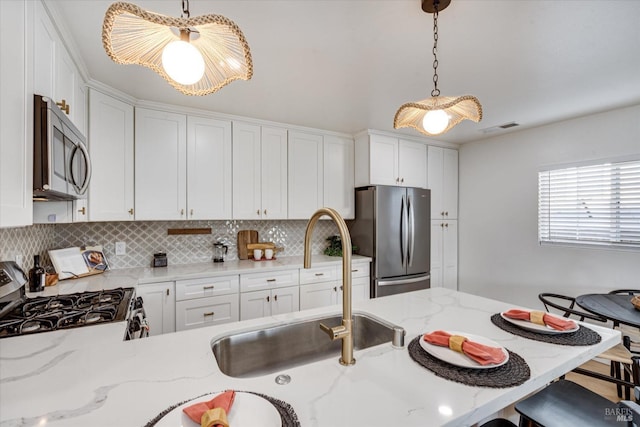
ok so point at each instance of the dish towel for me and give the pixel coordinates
(483, 354)
(213, 412)
(541, 318)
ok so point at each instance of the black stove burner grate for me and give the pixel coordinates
(43, 314)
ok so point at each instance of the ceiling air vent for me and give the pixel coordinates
(499, 127)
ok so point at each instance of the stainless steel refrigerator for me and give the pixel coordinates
(392, 226)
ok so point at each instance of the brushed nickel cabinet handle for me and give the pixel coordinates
(191, 212)
(211, 313)
(319, 274)
(83, 211)
(131, 211)
(181, 212)
(167, 291)
(265, 211)
(447, 225)
(335, 289)
(275, 297)
(271, 280)
(402, 180)
(268, 299)
(208, 287)
(258, 212)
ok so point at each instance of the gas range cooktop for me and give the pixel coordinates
(43, 314)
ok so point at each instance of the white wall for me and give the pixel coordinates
(499, 254)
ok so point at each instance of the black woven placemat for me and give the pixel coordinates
(513, 373)
(287, 414)
(583, 336)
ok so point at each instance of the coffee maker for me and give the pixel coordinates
(219, 251)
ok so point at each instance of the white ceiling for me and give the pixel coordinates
(347, 65)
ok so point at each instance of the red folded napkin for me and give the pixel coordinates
(555, 322)
(483, 354)
(223, 400)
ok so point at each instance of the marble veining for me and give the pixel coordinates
(99, 380)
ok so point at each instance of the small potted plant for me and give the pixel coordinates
(335, 246)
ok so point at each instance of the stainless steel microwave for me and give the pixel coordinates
(61, 164)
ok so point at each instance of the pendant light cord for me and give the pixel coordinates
(435, 92)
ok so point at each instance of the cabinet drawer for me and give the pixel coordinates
(268, 280)
(360, 269)
(197, 313)
(319, 274)
(206, 287)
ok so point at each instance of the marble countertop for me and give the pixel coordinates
(130, 277)
(90, 377)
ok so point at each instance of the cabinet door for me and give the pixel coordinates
(450, 255)
(318, 295)
(305, 174)
(255, 304)
(273, 178)
(360, 289)
(65, 81)
(246, 171)
(201, 312)
(383, 152)
(158, 301)
(412, 163)
(435, 158)
(44, 46)
(111, 150)
(16, 105)
(285, 300)
(450, 183)
(208, 168)
(437, 234)
(338, 175)
(160, 163)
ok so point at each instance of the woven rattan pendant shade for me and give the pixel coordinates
(131, 35)
(412, 114)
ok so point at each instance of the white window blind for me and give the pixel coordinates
(594, 205)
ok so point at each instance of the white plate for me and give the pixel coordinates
(248, 410)
(459, 359)
(534, 327)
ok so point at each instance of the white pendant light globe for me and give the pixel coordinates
(435, 121)
(183, 62)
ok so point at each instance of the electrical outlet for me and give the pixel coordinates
(121, 248)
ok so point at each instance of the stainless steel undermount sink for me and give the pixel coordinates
(264, 351)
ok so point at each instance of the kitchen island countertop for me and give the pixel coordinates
(88, 377)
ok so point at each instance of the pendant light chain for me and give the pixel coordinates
(185, 9)
(435, 91)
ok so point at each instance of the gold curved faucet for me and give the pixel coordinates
(344, 331)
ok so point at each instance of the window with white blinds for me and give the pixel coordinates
(593, 205)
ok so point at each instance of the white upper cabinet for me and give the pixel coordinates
(443, 182)
(338, 175)
(259, 172)
(208, 168)
(182, 166)
(160, 165)
(16, 105)
(111, 149)
(55, 74)
(305, 174)
(387, 160)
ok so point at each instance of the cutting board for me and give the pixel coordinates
(246, 237)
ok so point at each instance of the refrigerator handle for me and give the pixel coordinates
(403, 232)
(411, 231)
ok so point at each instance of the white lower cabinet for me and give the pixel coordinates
(444, 254)
(322, 286)
(159, 304)
(269, 293)
(269, 302)
(196, 313)
(207, 301)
